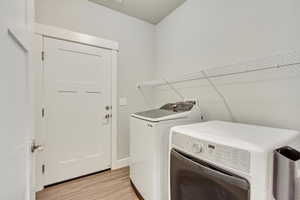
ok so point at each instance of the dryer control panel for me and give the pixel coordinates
(217, 154)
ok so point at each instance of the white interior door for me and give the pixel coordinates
(77, 96)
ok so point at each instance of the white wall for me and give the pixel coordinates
(203, 34)
(136, 39)
(15, 125)
(200, 34)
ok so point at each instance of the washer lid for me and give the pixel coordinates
(167, 112)
(242, 136)
(158, 115)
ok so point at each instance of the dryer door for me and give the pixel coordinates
(192, 179)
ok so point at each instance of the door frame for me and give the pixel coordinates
(21, 33)
(42, 31)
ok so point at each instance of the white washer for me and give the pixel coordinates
(149, 145)
(222, 160)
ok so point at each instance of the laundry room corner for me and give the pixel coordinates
(150, 100)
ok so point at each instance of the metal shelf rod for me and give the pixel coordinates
(200, 77)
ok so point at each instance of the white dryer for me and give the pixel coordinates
(149, 145)
(224, 161)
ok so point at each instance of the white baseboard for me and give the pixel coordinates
(117, 165)
(121, 163)
(39, 188)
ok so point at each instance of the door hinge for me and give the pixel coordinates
(43, 112)
(43, 55)
(43, 169)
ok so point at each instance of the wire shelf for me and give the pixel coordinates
(276, 62)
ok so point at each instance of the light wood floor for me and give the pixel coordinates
(110, 185)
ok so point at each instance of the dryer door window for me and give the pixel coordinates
(193, 179)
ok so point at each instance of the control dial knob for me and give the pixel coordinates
(197, 148)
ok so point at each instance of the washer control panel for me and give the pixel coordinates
(221, 155)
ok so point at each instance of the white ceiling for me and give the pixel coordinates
(152, 11)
